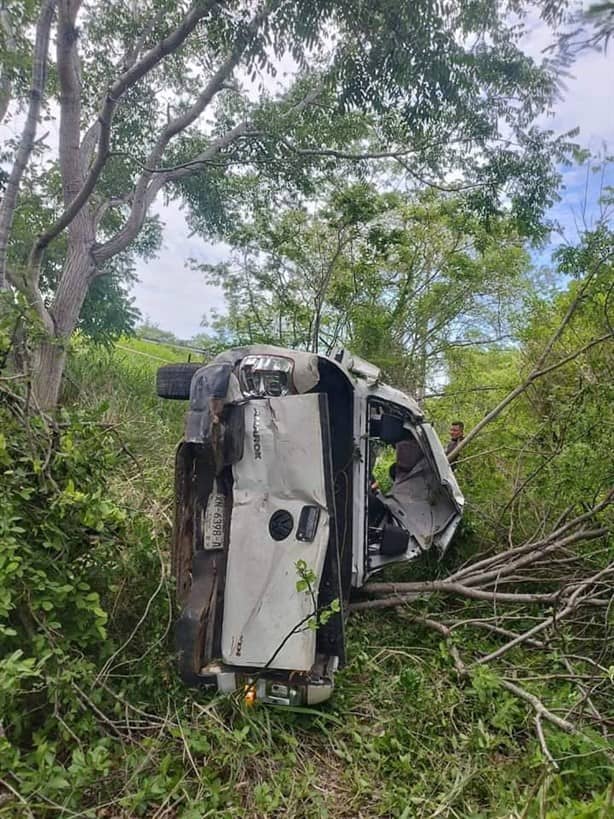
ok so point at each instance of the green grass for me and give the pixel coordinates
(123, 379)
(136, 349)
(402, 736)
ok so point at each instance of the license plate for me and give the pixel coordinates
(214, 523)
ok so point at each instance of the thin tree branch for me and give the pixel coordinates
(134, 52)
(440, 628)
(542, 740)
(489, 562)
(105, 118)
(337, 154)
(10, 47)
(539, 707)
(26, 143)
(573, 355)
(505, 566)
(575, 600)
(444, 587)
(456, 393)
(140, 205)
(537, 371)
(471, 578)
(436, 185)
(147, 188)
(493, 629)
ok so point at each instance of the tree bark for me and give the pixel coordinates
(26, 142)
(47, 370)
(82, 159)
(50, 355)
(10, 47)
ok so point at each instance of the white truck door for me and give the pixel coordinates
(279, 516)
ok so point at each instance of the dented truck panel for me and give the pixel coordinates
(280, 515)
(274, 469)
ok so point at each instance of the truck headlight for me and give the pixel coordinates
(261, 375)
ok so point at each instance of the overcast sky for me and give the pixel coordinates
(175, 297)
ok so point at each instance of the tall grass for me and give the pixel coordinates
(122, 380)
(402, 736)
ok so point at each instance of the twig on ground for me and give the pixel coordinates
(539, 706)
(446, 632)
(542, 741)
(574, 602)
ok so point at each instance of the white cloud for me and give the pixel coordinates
(588, 102)
(587, 90)
(169, 292)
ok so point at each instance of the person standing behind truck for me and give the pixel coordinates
(457, 433)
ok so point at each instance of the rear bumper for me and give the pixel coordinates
(272, 687)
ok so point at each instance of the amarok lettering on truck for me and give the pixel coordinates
(256, 435)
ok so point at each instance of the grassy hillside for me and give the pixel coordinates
(123, 381)
(402, 737)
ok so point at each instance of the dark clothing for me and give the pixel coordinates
(453, 444)
(451, 447)
(376, 508)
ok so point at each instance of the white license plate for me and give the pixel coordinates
(214, 523)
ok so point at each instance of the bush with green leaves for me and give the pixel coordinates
(77, 569)
(95, 722)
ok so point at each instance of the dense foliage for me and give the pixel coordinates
(78, 568)
(550, 451)
(402, 280)
(93, 716)
(378, 171)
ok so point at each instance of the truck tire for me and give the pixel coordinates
(173, 380)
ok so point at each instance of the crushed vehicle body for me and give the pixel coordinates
(275, 517)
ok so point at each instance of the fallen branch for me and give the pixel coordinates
(444, 587)
(494, 629)
(542, 741)
(528, 546)
(440, 628)
(574, 602)
(538, 705)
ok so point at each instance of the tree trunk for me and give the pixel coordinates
(50, 355)
(48, 367)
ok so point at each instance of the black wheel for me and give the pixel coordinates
(173, 380)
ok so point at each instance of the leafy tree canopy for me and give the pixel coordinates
(184, 98)
(399, 278)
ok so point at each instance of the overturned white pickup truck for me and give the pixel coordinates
(276, 518)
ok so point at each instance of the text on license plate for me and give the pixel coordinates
(214, 522)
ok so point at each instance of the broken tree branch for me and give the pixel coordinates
(28, 134)
(444, 587)
(523, 548)
(539, 706)
(538, 369)
(573, 603)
